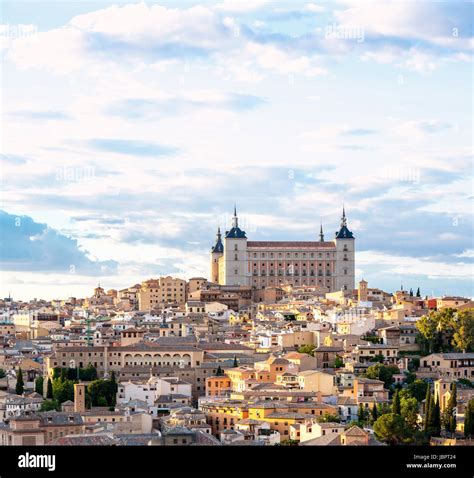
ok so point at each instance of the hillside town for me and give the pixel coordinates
(279, 348)
(171, 362)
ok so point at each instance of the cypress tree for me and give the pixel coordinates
(449, 416)
(361, 414)
(49, 390)
(113, 389)
(427, 407)
(469, 419)
(374, 413)
(436, 419)
(236, 363)
(396, 406)
(219, 371)
(418, 293)
(39, 385)
(20, 385)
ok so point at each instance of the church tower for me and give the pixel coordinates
(345, 256)
(362, 292)
(79, 397)
(235, 256)
(217, 251)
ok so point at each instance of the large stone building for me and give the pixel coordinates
(115, 358)
(328, 265)
(165, 290)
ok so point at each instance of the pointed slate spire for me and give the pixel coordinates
(321, 233)
(343, 218)
(344, 232)
(235, 232)
(235, 219)
(218, 247)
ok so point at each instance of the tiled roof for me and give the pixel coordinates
(235, 233)
(290, 244)
(344, 233)
(356, 431)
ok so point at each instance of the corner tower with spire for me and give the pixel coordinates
(235, 266)
(217, 251)
(345, 256)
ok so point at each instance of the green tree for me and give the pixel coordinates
(463, 337)
(307, 349)
(219, 371)
(409, 411)
(382, 372)
(469, 419)
(327, 417)
(374, 413)
(338, 362)
(288, 443)
(410, 377)
(88, 374)
(20, 384)
(417, 389)
(103, 393)
(39, 382)
(63, 390)
(49, 405)
(396, 408)
(433, 420)
(56, 372)
(437, 419)
(427, 328)
(449, 417)
(112, 390)
(428, 409)
(63, 374)
(236, 363)
(391, 428)
(361, 415)
(383, 408)
(2, 373)
(418, 293)
(49, 389)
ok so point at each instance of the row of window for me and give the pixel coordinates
(294, 254)
(295, 265)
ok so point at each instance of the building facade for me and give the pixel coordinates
(156, 292)
(328, 265)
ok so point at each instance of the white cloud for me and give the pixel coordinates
(241, 6)
(314, 8)
(408, 266)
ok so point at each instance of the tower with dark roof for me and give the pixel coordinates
(217, 251)
(235, 266)
(345, 256)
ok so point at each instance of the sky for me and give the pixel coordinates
(129, 130)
